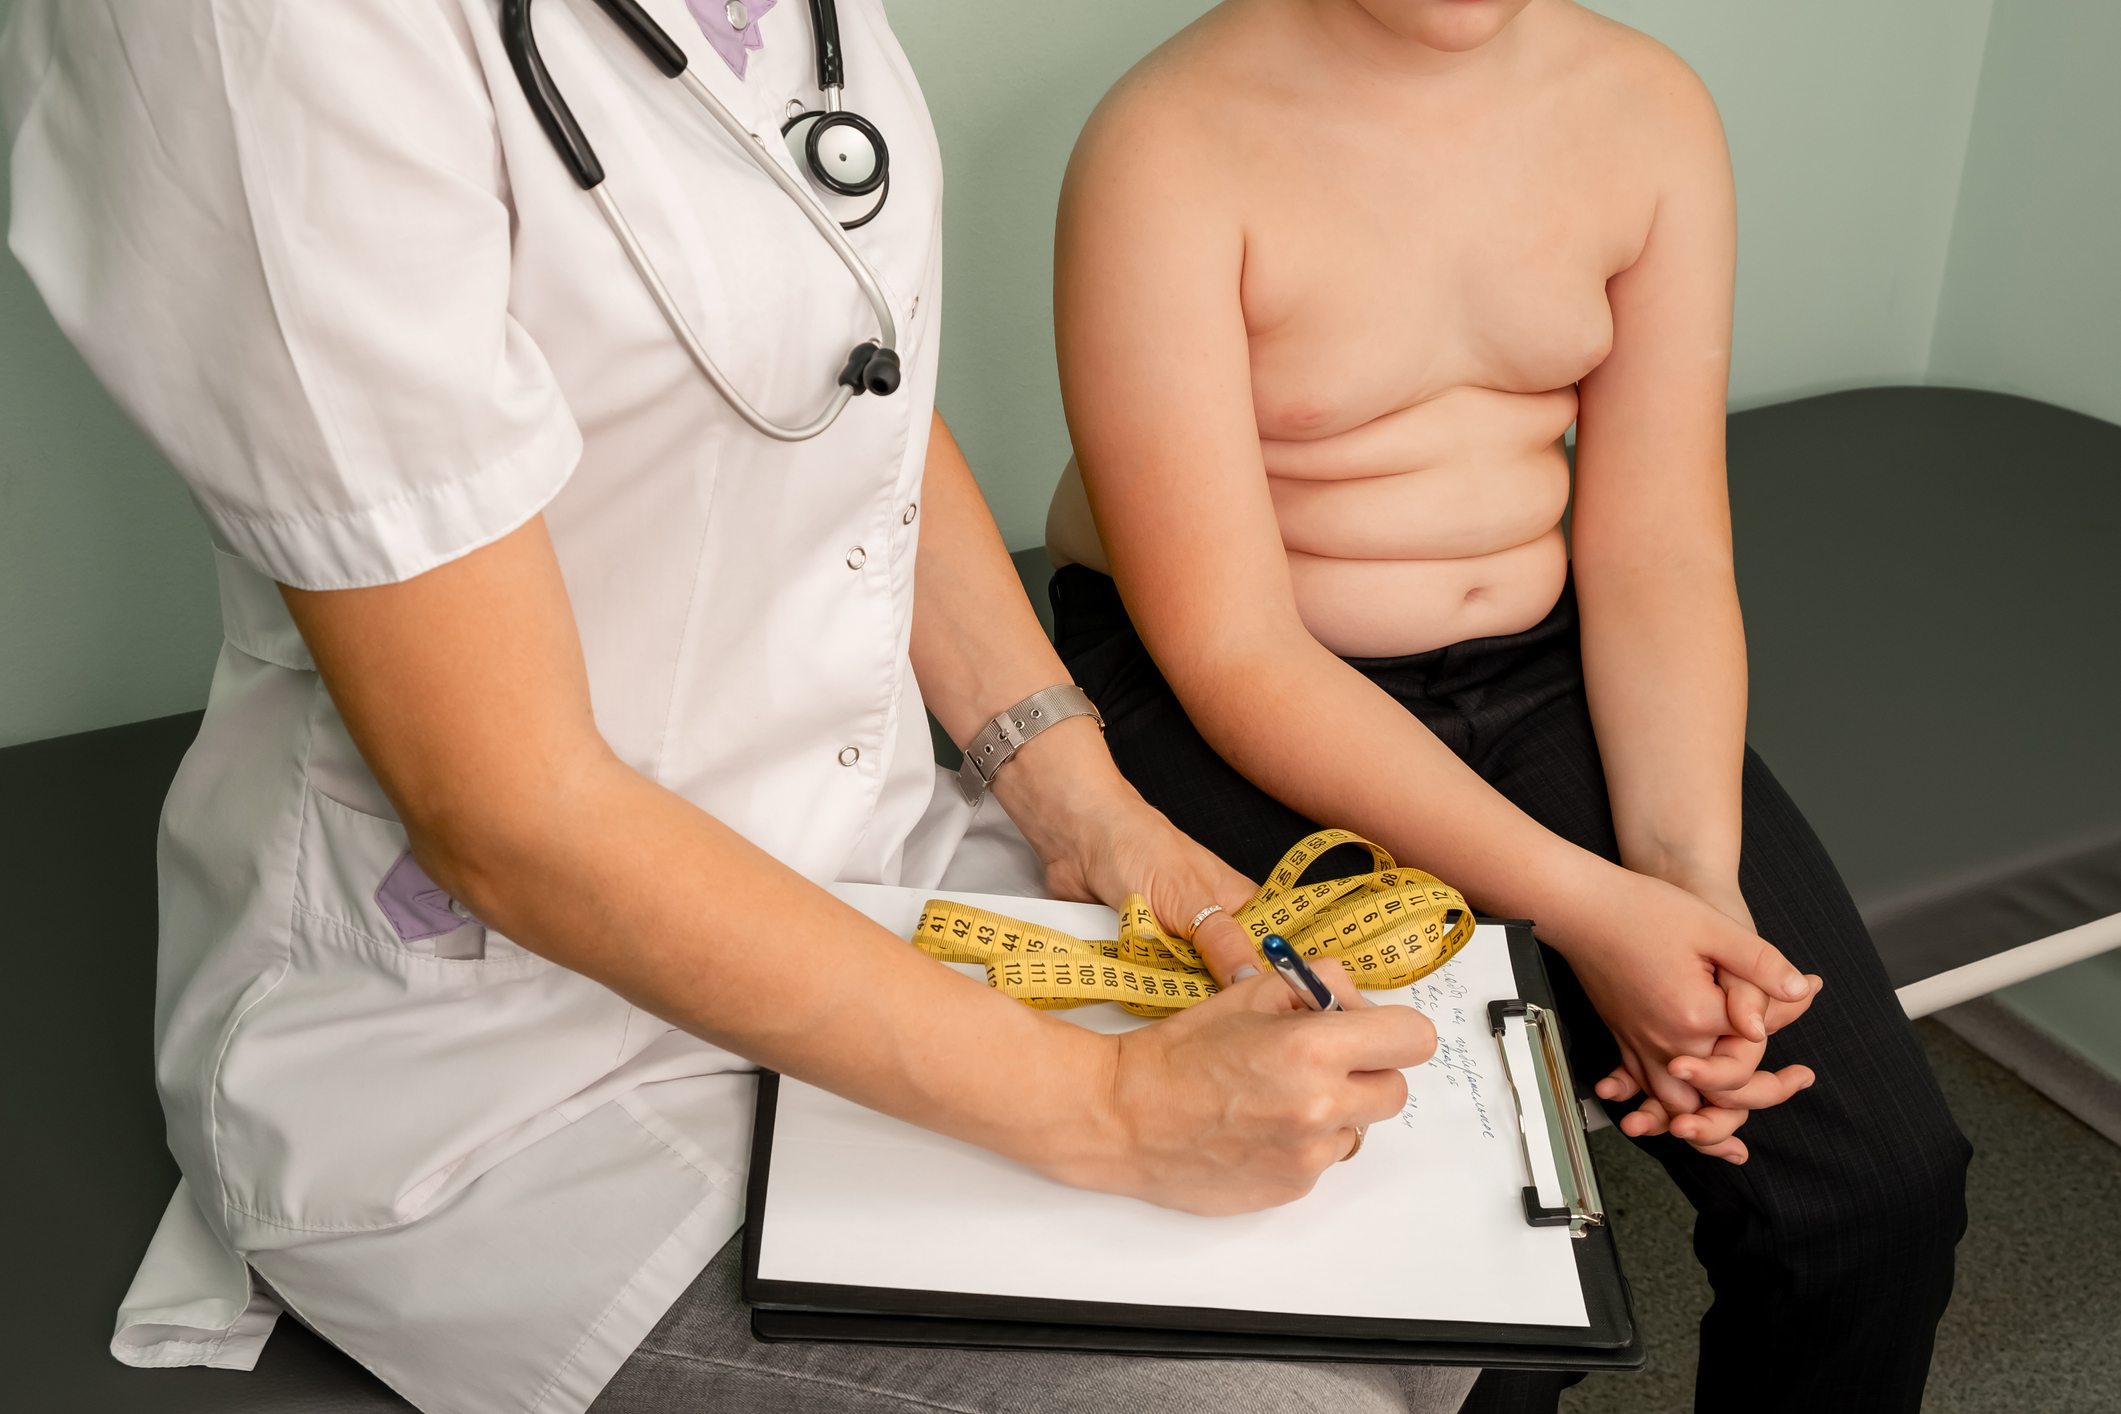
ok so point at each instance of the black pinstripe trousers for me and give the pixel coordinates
(1830, 1252)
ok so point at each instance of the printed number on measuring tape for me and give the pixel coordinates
(1385, 927)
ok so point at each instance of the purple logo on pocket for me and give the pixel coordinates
(416, 905)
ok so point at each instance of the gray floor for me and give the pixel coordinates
(2035, 1323)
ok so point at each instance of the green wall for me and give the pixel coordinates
(2032, 305)
(2079, 1006)
(2032, 293)
(107, 605)
(1847, 125)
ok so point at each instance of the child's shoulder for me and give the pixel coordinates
(1626, 72)
(1184, 102)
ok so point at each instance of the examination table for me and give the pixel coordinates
(1931, 581)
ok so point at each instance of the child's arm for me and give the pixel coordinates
(1663, 645)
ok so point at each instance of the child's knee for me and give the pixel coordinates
(1897, 1204)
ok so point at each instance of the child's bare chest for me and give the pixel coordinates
(1378, 277)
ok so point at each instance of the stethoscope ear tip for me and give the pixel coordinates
(871, 369)
(882, 374)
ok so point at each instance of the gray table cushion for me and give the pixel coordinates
(1931, 579)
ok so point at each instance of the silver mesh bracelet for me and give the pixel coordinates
(1001, 738)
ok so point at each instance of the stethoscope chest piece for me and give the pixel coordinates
(843, 153)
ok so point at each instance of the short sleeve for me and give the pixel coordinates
(280, 235)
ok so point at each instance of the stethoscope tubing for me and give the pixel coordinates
(826, 226)
(755, 146)
(574, 149)
(690, 341)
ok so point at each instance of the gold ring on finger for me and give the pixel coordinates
(1361, 1132)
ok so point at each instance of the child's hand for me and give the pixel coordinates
(1727, 1076)
(1653, 960)
(1713, 1127)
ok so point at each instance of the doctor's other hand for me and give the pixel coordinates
(1241, 1101)
(1131, 848)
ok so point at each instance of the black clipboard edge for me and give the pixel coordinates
(802, 1311)
(772, 1325)
(763, 1111)
(809, 1311)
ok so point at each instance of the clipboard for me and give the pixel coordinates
(871, 1313)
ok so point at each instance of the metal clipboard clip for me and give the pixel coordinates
(1555, 1090)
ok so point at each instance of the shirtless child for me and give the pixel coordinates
(1333, 279)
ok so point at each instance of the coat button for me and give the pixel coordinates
(912, 509)
(849, 755)
(857, 557)
(738, 15)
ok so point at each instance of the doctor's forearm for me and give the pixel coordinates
(977, 645)
(465, 690)
(978, 649)
(637, 888)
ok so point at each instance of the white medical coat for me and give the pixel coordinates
(324, 255)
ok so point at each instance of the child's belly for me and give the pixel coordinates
(1385, 608)
(1427, 526)
(1422, 527)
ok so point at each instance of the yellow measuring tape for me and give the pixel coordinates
(1387, 927)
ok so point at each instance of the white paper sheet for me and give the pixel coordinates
(1427, 1223)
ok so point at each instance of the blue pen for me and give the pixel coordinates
(1309, 988)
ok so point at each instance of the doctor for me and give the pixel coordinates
(588, 552)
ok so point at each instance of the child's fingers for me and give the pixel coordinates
(1767, 1088)
(1730, 1150)
(1706, 1128)
(1747, 1006)
(1617, 1086)
(1731, 1062)
(1647, 1119)
(1781, 1013)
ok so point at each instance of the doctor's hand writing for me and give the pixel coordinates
(1237, 1103)
(1241, 1102)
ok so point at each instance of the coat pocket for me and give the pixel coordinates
(380, 1073)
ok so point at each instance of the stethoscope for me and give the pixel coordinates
(842, 151)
